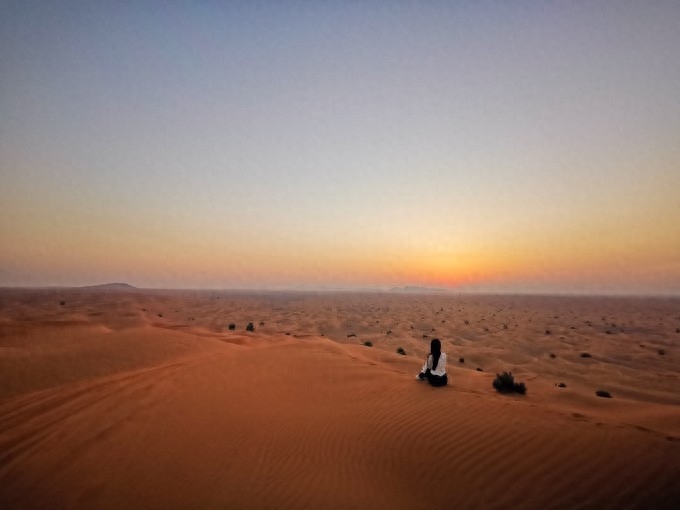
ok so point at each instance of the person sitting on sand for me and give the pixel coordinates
(434, 369)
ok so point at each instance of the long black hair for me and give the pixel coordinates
(435, 352)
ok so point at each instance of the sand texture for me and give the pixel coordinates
(145, 399)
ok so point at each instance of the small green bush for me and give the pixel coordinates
(400, 350)
(368, 344)
(505, 383)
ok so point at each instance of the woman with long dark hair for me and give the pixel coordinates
(434, 369)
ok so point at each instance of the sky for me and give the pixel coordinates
(473, 146)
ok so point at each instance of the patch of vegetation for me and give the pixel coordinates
(368, 344)
(547, 331)
(461, 360)
(479, 369)
(552, 355)
(586, 355)
(661, 352)
(603, 394)
(561, 385)
(505, 383)
(232, 326)
(400, 350)
(250, 327)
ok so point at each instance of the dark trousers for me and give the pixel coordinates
(435, 380)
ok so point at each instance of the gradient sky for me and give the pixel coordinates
(494, 146)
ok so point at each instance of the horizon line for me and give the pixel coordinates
(358, 290)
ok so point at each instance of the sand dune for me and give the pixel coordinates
(146, 400)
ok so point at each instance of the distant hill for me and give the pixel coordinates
(111, 286)
(418, 290)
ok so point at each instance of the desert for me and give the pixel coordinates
(130, 398)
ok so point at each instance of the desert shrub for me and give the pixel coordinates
(461, 360)
(603, 394)
(586, 355)
(505, 383)
(547, 331)
(400, 350)
(561, 385)
(250, 327)
(232, 326)
(661, 352)
(552, 355)
(479, 369)
(368, 344)
(160, 315)
(389, 331)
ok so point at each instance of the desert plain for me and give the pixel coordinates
(124, 398)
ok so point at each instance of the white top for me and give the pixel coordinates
(441, 365)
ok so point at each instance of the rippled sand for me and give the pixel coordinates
(145, 399)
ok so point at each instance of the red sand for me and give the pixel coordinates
(106, 404)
